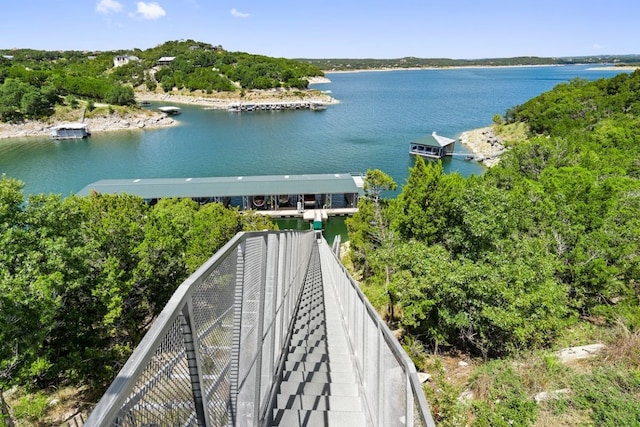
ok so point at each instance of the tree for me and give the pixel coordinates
(426, 201)
(120, 95)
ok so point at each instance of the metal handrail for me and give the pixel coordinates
(189, 368)
(351, 298)
(172, 359)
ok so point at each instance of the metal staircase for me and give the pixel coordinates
(319, 384)
(270, 331)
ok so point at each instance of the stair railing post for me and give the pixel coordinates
(260, 330)
(193, 362)
(236, 341)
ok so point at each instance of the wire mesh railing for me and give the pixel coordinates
(392, 391)
(212, 355)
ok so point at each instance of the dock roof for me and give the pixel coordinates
(435, 140)
(156, 188)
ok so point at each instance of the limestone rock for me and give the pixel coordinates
(545, 396)
(581, 352)
(424, 377)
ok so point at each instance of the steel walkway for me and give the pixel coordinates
(270, 331)
(319, 386)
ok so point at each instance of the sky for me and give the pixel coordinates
(457, 29)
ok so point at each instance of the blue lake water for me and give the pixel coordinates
(378, 115)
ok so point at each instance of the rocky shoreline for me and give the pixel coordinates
(223, 101)
(146, 119)
(142, 120)
(485, 145)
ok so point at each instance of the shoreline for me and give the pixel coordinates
(452, 67)
(223, 100)
(484, 144)
(114, 122)
(462, 67)
(149, 119)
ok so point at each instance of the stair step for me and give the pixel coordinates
(322, 403)
(319, 389)
(299, 357)
(320, 377)
(293, 418)
(334, 349)
(319, 366)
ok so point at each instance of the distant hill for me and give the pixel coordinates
(33, 82)
(345, 64)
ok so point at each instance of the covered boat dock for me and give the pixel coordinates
(274, 195)
(433, 146)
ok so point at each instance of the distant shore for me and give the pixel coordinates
(456, 67)
(452, 67)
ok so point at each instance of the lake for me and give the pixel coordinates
(378, 115)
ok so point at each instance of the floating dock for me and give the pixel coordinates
(170, 110)
(70, 131)
(276, 106)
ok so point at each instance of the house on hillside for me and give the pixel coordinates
(165, 60)
(433, 146)
(124, 59)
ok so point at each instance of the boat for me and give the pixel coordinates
(258, 201)
(70, 131)
(317, 107)
(170, 110)
(283, 200)
(309, 200)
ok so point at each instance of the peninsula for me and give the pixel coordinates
(102, 89)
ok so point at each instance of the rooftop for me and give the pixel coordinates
(155, 188)
(435, 140)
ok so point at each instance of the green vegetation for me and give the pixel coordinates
(345, 64)
(543, 250)
(33, 83)
(82, 278)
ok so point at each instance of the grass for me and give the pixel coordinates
(601, 391)
(45, 407)
(511, 133)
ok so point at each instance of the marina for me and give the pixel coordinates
(276, 106)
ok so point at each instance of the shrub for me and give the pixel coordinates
(31, 407)
(610, 394)
(502, 397)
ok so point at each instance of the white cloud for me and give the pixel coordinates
(150, 10)
(238, 14)
(108, 6)
(597, 46)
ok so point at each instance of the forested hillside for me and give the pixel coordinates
(33, 83)
(345, 64)
(82, 278)
(516, 261)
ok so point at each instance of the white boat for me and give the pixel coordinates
(169, 110)
(70, 131)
